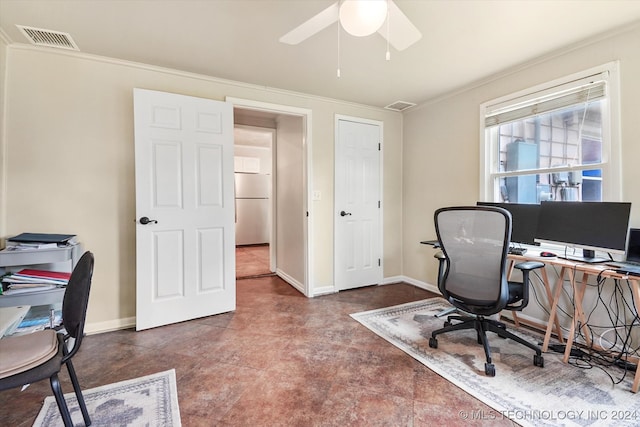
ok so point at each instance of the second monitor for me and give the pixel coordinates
(524, 220)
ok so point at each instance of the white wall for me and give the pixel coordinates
(70, 161)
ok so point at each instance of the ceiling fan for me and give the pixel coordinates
(360, 18)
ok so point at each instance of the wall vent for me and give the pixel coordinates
(399, 105)
(48, 38)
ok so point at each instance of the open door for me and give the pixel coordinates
(185, 244)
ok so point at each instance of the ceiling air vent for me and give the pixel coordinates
(48, 38)
(399, 105)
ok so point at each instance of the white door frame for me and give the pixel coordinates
(380, 124)
(305, 113)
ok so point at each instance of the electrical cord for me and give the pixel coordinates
(622, 314)
(617, 308)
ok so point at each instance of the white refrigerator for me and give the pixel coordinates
(253, 208)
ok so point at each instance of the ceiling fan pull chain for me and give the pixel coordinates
(338, 70)
(388, 56)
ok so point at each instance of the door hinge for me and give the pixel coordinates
(307, 214)
(379, 262)
(379, 146)
(378, 204)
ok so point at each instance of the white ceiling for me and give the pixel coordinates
(464, 41)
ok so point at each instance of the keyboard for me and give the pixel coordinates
(517, 251)
(624, 264)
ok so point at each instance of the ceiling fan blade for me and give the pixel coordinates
(402, 32)
(314, 25)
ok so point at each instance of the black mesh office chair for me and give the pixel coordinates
(40, 355)
(472, 274)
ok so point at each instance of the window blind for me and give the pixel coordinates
(517, 111)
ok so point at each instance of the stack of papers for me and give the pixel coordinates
(40, 317)
(31, 246)
(32, 280)
(10, 318)
(34, 241)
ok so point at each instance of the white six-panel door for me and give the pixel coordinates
(185, 250)
(357, 217)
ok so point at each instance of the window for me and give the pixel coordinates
(554, 141)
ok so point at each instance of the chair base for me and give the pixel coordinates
(482, 325)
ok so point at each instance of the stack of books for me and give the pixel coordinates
(31, 280)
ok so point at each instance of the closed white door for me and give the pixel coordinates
(358, 237)
(185, 244)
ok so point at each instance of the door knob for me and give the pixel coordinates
(343, 213)
(144, 220)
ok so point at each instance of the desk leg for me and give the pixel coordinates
(636, 299)
(554, 309)
(510, 268)
(578, 315)
(550, 300)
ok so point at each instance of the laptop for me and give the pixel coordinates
(631, 264)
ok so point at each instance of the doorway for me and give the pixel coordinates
(290, 245)
(253, 179)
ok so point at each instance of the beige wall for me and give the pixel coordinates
(70, 162)
(290, 251)
(3, 204)
(441, 140)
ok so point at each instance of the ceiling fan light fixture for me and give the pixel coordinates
(362, 17)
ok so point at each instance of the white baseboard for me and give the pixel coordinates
(290, 280)
(111, 325)
(417, 283)
(325, 290)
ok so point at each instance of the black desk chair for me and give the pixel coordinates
(473, 274)
(40, 355)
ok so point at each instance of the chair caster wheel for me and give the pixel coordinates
(538, 360)
(490, 369)
(447, 324)
(433, 343)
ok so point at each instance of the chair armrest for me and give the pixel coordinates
(526, 268)
(529, 265)
(441, 267)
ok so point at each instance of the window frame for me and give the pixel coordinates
(611, 164)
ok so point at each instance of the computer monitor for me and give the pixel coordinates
(524, 220)
(633, 247)
(589, 226)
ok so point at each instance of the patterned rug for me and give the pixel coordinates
(557, 395)
(147, 401)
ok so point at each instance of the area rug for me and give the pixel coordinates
(146, 401)
(557, 395)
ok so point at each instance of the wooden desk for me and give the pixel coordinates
(571, 269)
(553, 296)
